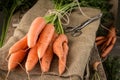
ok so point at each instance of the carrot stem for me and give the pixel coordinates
(6, 25)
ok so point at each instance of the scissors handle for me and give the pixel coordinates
(76, 33)
(69, 29)
(79, 27)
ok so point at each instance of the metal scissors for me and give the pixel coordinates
(76, 31)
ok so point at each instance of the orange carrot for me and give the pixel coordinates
(36, 27)
(45, 39)
(21, 44)
(65, 48)
(108, 41)
(100, 38)
(32, 59)
(62, 61)
(46, 59)
(113, 40)
(100, 42)
(108, 49)
(48, 56)
(15, 59)
(95, 65)
(111, 34)
(60, 48)
(57, 46)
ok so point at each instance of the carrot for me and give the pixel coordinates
(108, 41)
(48, 56)
(108, 49)
(46, 59)
(21, 44)
(15, 59)
(95, 65)
(32, 59)
(98, 43)
(100, 38)
(111, 34)
(57, 46)
(60, 48)
(95, 68)
(45, 39)
(62, 61)
(105, 45)
(36, 27)
(113, 40)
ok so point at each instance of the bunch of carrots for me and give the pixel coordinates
(44, 39)
(39, 45)
(107, 43)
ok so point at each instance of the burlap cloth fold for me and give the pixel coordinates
(79, 52)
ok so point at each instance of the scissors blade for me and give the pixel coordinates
(88, 22)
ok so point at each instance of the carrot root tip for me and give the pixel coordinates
(6, 78)
(28, 75)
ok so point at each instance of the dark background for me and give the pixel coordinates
(118, 19)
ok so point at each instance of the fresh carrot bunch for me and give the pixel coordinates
(45, 37)
(39, 45)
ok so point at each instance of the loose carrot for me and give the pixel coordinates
(108, 49)
(36, 27)
(21, 44)
(95, 68)
(100, 42)
(95, 65)
(108, 41)
(45, 39)
(15, 59)
(32, 59)
(48, 56)
(60, 48)
(113, 40)
(111, 34)
(100, 38)
(62, 61)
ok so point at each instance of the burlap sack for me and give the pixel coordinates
(80, 47)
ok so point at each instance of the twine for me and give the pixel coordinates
(82, 12)
(64, 15)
